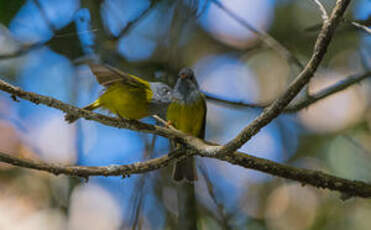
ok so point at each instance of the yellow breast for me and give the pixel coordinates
(188, 118)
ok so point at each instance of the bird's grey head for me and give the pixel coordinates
(162, 93)
(187, 75)
(186, 87)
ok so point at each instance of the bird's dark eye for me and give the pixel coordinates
(165, 91)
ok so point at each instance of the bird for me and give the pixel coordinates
(126, 95)
(187, 113)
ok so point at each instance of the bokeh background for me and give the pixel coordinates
(40, 41)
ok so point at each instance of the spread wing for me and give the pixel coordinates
(107, 75)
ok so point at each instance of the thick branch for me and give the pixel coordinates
(277, 107)
(303, 176)
(305, 102)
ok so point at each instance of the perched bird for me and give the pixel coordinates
(126, 95)
(187, 112)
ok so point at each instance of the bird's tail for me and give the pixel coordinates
(185, 170)
(72, 118)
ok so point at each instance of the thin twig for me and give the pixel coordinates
(130, 25)
(335, 88)
(210, 188)
(217, 99)
(304, 103)
(324, 14)
(163, 122)
(364, 22)
(203, 9)
(365, 59)
(44, 16)
(362, 27)
(358, 145)
(138, 192)
(265, 37)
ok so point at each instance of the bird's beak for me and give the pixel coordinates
(183, 76)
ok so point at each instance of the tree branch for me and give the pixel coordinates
(263, 36)
(335, 88)
(86, 171)
(215, 98)
(44, 16)
(130, 25)
(78, 112)
(324, 14)
(277, 107)
(362, 27)
(305, 102)
(304, 176)
(224, 219)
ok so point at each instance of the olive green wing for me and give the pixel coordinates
(107, 75)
